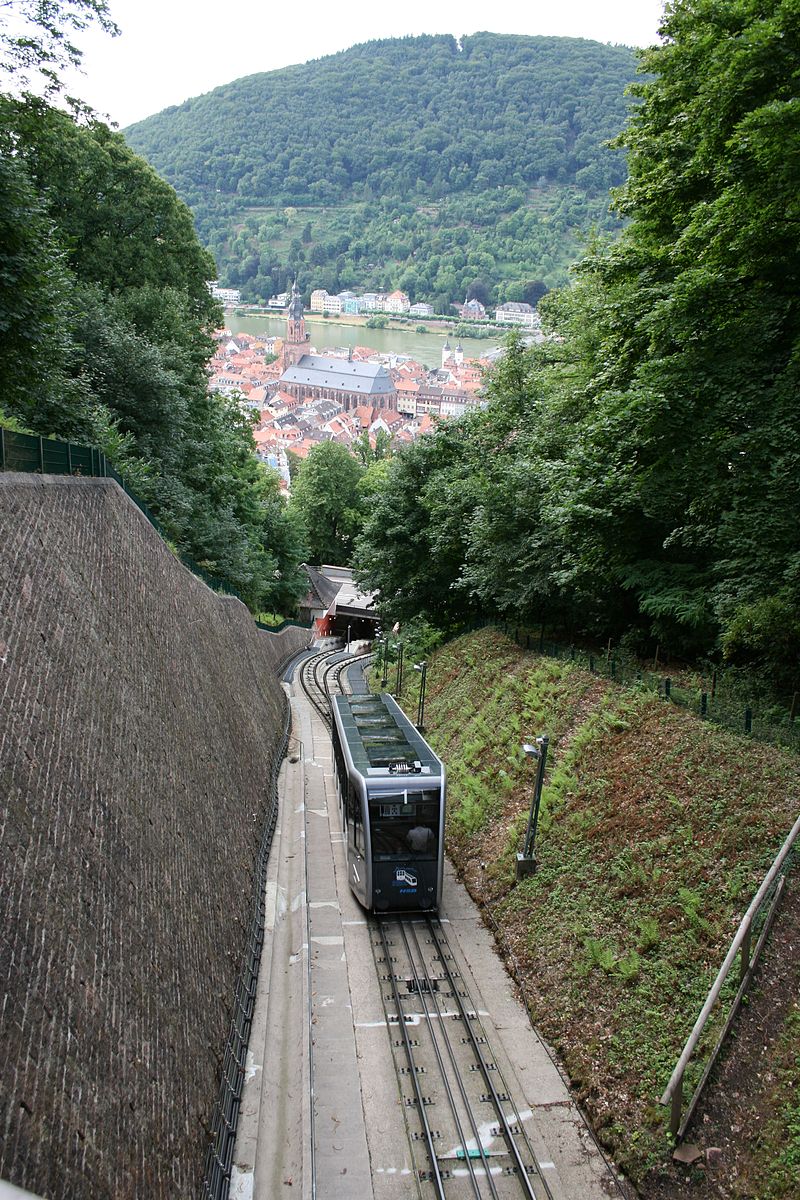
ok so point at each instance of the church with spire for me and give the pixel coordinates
(296, 341)
(321, 377)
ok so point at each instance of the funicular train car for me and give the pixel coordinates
(391, 789)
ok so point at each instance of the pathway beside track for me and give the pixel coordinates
(323, 1116)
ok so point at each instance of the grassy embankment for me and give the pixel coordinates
(656, 830)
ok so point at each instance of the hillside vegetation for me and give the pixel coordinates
(430, 141)
(655, 832)
(107, 326)
(637, 477)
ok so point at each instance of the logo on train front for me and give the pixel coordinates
(403, 875)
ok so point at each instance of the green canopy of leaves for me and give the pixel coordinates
(642, 471)
(106, 321)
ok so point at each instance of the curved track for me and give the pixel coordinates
(321, 674)
(466, 1132)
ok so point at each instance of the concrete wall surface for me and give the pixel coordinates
(138, 714)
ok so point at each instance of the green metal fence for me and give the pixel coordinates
(46, 456)
(289, 623)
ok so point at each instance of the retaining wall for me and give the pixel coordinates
(138, 713)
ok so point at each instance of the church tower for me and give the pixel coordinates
(295, 344)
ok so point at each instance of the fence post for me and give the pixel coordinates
(541, 639)
(613, 668)
(41, 455)
(703, 704)
(793, 709)
(676, 1108)
(2, 448)
(748, 720)
(591, 663)
(668, 687)
(714, 683)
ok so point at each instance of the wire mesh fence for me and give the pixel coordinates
(713, 694)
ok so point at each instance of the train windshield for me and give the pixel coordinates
(404, 825)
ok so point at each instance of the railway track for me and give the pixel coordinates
(321, 673)
(466, 1132)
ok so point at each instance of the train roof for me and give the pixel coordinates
(381, 739)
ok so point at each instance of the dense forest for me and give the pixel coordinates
(638, 477)
(106, 325)
(490, 166)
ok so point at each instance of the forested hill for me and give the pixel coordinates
(506, 121)
(404, 115)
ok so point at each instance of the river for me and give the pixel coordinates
(424, 347)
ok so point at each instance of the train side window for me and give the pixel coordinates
(357, 819)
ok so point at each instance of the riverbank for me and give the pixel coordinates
(446, 325)
(397, 337)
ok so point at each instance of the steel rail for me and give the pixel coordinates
(320, 664)
(448, 1044)
(510, 1139)
(338, 669)
(310, 686)
(438, 1182)
(314, 675)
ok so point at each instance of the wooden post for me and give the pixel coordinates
(744, 954)
(676, 1108)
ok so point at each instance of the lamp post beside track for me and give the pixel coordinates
(526, 861)
(399, 677)
(422, 667)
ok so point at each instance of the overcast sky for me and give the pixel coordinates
(172, 49)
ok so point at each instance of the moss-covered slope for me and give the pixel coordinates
(656, 829)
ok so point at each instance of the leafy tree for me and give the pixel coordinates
(415, 532)
(36, 37)
(104, 280)
(640, 472)
(326, 500)
(34, 308)
(366, 453)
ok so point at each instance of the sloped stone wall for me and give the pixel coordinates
(138, 714)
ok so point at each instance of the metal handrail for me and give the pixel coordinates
(673, 1093)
